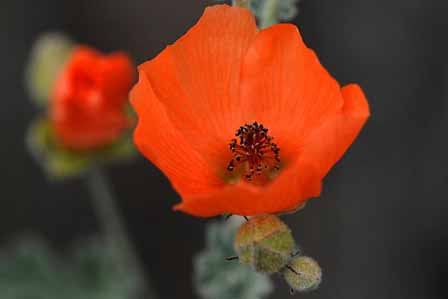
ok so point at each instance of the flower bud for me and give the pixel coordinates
(265, 243)
(89, 100)
(303, 274)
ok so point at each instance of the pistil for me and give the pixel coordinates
(253, 147)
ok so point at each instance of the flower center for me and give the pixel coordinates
(254, 148)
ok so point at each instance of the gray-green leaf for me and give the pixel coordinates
(216, 278)
(30, 269)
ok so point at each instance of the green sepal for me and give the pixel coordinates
(281, 242)
(268, 261)
(60, 162)
(48, 55)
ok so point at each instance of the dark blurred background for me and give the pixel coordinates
(380, 227)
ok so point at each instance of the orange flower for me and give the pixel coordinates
(89, 99)
(224, 75)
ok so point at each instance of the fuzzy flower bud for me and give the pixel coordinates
(303, 274)
(265, 243)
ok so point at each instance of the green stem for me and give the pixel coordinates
(114, 229)
(242, 3)
(269, 14)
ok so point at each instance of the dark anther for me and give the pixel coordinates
(291, 291)
(245, 217)
(231, 258)
(254, 146)
(228, 216)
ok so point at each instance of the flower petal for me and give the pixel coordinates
(289, 190)
(302, 179)
(198, 78)
(89, 97)
(326, 145)
(116, 74)
(290, 91)
(222, 74)
(160, 142)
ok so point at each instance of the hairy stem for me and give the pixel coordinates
(114, 229)
(269, 14)
(242, 3)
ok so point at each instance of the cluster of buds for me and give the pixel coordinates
(266, 244)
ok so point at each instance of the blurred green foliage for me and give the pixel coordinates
(217, 278)
(30, 270)
(286, 10)
(270, 12)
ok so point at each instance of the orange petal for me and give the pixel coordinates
(198, 78)
(116, 74)
(290, 91)
(85, 112)
(160, 142)
(302, 179)
(326, 145)
(289, 190)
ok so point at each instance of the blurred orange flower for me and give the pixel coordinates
(89, 99)
(225, 76)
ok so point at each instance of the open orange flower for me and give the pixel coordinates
(225, 76)
(89, 99)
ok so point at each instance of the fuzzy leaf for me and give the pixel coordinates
(216, 278)
(29, 269)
